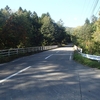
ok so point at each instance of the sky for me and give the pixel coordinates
(73, 13)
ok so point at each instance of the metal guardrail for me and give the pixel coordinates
(92, 57)
(9, 52)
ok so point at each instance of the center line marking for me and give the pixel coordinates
(5, 79)
(48, 56)
(70, 58)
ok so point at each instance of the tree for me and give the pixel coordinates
(35, 36)
(88, 37)
(60, 34)
(87, 21)
(96, 37)
(47, 29)
(94, 19)
(24, 28)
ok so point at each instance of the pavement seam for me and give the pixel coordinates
(80, 86)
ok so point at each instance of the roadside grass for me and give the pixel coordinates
(85, 61)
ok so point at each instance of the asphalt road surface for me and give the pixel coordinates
(49, 75)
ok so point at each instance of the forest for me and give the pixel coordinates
(24, 28)
(88, 36)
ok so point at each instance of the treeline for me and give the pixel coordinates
(24, 28)
(88, 36)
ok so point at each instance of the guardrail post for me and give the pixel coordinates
(8, 52)
(17, 51)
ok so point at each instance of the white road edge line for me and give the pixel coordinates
(48, 56)
(5, 79)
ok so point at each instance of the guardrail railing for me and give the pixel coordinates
(92, 57)
(9, 52)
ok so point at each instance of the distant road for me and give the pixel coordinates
(49, 75)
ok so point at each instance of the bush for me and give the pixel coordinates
(86, 61)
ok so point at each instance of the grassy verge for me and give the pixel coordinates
(91, 63)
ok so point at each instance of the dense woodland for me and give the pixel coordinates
(88, 36)
(23, 28)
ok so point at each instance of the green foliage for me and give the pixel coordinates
(24, 28)
(87, 21)
(85, 61)
(88, 36)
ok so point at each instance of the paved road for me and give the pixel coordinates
(50, 75)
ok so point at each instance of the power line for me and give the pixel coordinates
(97, 11)
(87, 6)
(94, 7)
